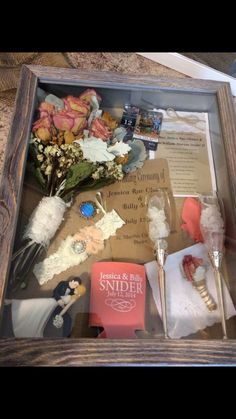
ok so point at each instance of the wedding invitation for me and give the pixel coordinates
(185, 142)
(129, 197)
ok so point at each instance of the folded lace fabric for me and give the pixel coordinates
(76, 249)
(186, 310)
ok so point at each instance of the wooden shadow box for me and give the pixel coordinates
(206, 348)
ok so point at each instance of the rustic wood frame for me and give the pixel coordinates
(90, 352)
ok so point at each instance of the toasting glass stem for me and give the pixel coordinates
(160, 215)
(161, 257)
(216, 259)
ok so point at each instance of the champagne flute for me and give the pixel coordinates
(213, 233)
(160, 217)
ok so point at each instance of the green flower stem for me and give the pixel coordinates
(23, 265)
(22, 249)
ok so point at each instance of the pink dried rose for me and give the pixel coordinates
(93, 238)
(75, 104)
(100, 129)
(62, 121)
(87, 96)
(80, 123)
(70, 121)
(190, 265)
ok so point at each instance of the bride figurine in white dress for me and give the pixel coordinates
(30, 316)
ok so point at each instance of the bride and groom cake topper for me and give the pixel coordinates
(31, 316)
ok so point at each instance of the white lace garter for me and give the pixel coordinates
(76, 249)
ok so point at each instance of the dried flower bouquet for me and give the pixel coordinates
(74, 146)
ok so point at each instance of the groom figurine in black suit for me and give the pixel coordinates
(66, 288)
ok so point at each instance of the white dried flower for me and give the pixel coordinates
(61, 161)
(48, 170)
(59, 173)
(158, 226)
(199, 274)
(110, 165)
(53, 151)
(47, 150)
(114, 170)
(158, 230)
(211, 219)
(118, 172)
(40, 148)
(40, 157)
(98, 173)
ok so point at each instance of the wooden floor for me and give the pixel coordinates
(222, 61)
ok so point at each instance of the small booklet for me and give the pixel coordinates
(148, 128)
(117, 299)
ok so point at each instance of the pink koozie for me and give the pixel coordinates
(117, 301)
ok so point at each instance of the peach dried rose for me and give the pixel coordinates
(122, 159)
(46, 109)
(99, 129)
(43, 133)
(80, 125)
(92, 236)
(69, 121)
(68, 137)
(87, 96)
(74, 104)
(44, 122)
(111, 122)
(80, 122)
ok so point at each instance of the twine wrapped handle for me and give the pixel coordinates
(203, 291)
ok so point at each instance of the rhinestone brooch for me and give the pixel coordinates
(79, 246)
(88, 209)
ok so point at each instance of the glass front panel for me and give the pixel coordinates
(135, 236)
